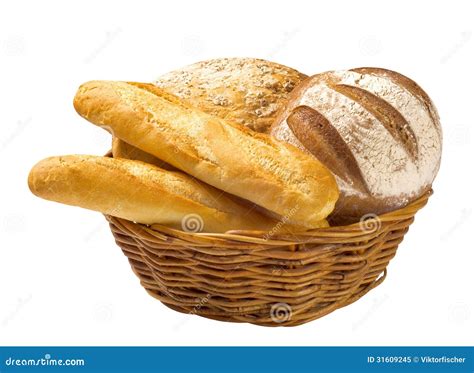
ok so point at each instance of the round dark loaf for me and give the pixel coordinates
(375, 129)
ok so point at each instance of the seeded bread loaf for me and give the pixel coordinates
(247, 91)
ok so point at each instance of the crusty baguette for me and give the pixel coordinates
(247, 91)
(141, 192)
(121, 149)
(272, 174)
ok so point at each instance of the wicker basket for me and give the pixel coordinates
(270, 281)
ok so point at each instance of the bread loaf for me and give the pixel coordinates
(376, 130)
(141, 192)
(247, 91)
(271, 174)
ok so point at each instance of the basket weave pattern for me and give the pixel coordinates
(270, 281)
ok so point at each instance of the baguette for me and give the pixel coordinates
(247, 91)
(271, 174)
(142, 193)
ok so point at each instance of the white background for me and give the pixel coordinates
(62, 279)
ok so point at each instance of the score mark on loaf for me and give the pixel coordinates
(376, 130)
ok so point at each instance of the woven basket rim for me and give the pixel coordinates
(368, 229)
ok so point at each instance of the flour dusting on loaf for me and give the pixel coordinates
(390, 126)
